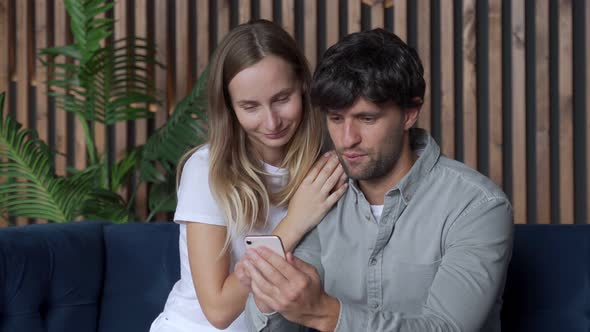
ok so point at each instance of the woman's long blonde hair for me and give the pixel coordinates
(236, 176)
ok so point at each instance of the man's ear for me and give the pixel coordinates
(411, 117)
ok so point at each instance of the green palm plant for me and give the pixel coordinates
(98, 84)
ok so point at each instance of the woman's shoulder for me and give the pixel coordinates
(198, 160)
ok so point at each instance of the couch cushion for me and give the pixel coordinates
(142, 265)
(50, 277)
(548, 284)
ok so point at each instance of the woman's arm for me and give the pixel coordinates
(220, 294)
(323, 186)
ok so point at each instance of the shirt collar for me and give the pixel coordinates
(420, 139)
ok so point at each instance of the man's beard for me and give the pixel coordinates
(382, 165)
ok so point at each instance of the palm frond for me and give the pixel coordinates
(185, 129)
(31, 189)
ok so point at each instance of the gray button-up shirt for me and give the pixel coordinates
(435, 261)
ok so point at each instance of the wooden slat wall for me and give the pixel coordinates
(518, 118)
(507, 87)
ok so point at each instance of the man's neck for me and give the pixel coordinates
(375, 189)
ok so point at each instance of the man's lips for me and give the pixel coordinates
(277, 134)
(353, 156)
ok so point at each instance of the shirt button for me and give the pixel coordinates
(374, 305)
(373, 261)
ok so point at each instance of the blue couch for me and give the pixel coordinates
(93, 276)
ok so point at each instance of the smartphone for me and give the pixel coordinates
(271, 242)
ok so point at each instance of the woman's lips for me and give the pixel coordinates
(278, 134)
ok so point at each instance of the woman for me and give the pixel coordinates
(264, 140)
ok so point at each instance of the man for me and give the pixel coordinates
(418, 242)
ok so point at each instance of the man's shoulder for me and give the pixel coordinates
(464, 179)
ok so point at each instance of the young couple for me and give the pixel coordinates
(390, 235)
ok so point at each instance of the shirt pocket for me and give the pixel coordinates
(406, 285)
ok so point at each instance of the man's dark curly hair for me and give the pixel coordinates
(376, 65)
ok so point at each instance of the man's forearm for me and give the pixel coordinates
(326, 317)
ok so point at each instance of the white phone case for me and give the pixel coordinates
(271, 242)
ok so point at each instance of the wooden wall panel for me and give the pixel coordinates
(495, 92)
(310, 34)
(26, 27)
(543, 152)
(587, 127)
(424, 21)
(400, 21)
(469, 85)
(332, 22)
(447, 79)
(266, 7)
(23, 71)
(566, 129)
(141, 125)
(519, 143)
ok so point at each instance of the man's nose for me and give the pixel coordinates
(350, 135)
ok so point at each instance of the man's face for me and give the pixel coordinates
(368, 138)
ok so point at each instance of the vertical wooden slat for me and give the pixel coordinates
(61, 133)
(79, 145)
(141, 30)
(203, 35)
(354, 16)
(311, 49)
(99, 128)
(266, 8)
(223, 11)
(495, 91)
(41, 120)
(447, 79)
(400, 19)
(245, 11)
(332, 23)
(22, 70)
(566, 134)
(161, 74)
(121, 126)
(469, 85)
(182, 61)
(288, 14)
(161, 29)
(587, 96)
(377, 15)
(519, 146)
(424, 52)
(40, 69)
(542, 112)
(5, 47)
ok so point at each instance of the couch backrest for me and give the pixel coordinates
(548, 283)
(142, 265)
(51, 277)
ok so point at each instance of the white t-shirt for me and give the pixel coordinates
(182, 311)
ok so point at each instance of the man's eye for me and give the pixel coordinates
(368, 119)
(283, 99)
